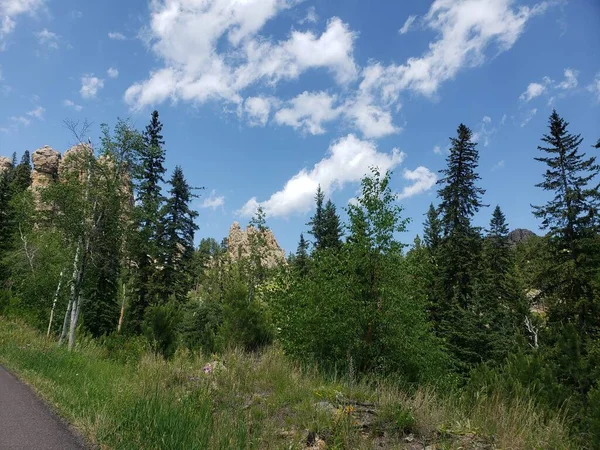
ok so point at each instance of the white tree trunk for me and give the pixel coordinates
(72, 295)
(54, 302)
(122, 315)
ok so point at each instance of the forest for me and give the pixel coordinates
(106, 257)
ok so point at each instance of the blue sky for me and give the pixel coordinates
(262, 100)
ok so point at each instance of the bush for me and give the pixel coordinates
(246, 321)
(160, 326)
(201, 324)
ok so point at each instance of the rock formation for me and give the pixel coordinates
(45, 170)
(239, 245)
(75, 160)
(5, 164)
(519, 235)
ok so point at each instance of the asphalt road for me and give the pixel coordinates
(26, 423)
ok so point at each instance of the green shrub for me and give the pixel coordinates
(161, 323)
(201, 324)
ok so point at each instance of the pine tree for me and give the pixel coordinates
(21, 178)
(571, 218)
(179, 229)
(6, 222)
(150, 201)
(317, 222)
(332, 229)
(460, 251)
(301, 260)
(432, 229)
(501, 300)
(460, 200)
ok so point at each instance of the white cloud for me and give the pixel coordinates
(116, 36)
(258, 110)
(311, 16)
(594, 87)
(20, 120)
(437, 150)
(75, 14)
(308, 111)
(423, 180)
(37, 112)
(10, 10)
(112, 72)
(528, 116)
(374, 121)
(570, 81)
(484, 131)
(499, 165)
(409, 21)
(466, 29)
(71, 104)
(213, 201)
(90, 85)
(533, 90)
(347, 161)
(185, 34)
(47, 38)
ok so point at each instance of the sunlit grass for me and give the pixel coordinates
(255, 402)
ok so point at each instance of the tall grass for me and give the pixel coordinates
(255, 402)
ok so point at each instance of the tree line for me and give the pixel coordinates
(111, 251)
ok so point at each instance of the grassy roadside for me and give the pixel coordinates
(254, 402)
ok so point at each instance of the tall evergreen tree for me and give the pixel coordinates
(150, 201)
(317, 221)
(332, 229)
(179, 229)
(460, 200)
(21, 178)
(301, 260)
(501, 300)
(6, 222)
(432, 229)
(460, 252)
(571, 218)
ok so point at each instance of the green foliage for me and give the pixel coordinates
(161, 328)
(354, 310)
(179, 228)
(201, 323)
(246, 320)
(301, 261)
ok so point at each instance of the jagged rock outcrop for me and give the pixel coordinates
(45, 169)
(239, 241)
(75, 160)
(520, 235)
(5, 164)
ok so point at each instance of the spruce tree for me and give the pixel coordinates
(21, 178)
(6, 222)
(432, 229)
(460, 200)
(501, 299)
(317, 222)
(459, 257)
(332, 229)
(179, 228)
(571, 218)
(150, 201)
(301, 259)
